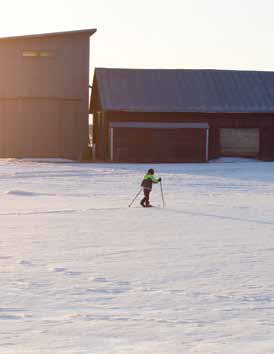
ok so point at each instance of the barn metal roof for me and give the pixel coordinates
(176, 90)
(90, 32)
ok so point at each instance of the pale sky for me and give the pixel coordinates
(221, 34)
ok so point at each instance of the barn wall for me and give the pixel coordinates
(161, 145)
(265, 123)
(44, 99)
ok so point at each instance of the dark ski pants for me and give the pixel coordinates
(145, 200)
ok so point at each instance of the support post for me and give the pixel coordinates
(111, 144)
(207, 143)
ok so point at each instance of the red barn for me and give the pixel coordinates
(147, 115)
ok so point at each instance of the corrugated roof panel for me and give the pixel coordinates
(149, 90)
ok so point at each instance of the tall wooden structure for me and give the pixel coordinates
(44, 95)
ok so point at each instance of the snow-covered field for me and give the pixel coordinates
(82, 273)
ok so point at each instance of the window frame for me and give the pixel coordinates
(38, 54)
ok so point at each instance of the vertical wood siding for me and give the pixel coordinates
(44, 100)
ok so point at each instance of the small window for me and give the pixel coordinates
(30, 53)
(38, 53)
(47, 53)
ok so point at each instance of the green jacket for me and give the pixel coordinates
(148, 180)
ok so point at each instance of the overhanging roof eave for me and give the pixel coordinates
(188, 111)
(90, 32)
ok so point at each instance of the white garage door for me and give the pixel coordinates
(239, 142)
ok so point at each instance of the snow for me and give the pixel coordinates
(81, 273)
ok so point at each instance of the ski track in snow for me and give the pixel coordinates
(81, 273)
(65, 211)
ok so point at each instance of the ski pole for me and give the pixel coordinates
(135, 198)
(162, 193)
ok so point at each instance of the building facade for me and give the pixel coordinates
(44, 95)
(182, 115)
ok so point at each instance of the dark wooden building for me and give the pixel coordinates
(144, 115)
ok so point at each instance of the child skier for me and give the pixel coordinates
(147, 182)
